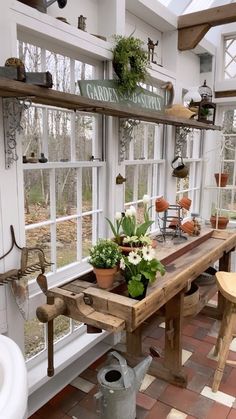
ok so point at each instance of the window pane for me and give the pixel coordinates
(87, 188)
(86, 234)
(59, 67)
(34, 338)
(32, 124)
(66, 242)
(84, 132)
(138, 142)
(30, 55)
(40, 237)
(142, 180)
(129, 184)
(59, 135)
(66, 195)
(37, 196)
(62, 327)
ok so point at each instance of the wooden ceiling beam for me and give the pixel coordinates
(193, 26)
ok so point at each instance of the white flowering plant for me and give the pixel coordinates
(127, 230)
(140, 267)
(105, 254)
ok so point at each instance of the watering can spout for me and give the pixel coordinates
(140, 370)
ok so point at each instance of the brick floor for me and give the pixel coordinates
(160, 397)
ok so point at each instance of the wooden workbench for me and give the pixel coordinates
(110, 310)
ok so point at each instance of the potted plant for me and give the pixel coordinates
(221, 179)
(104, 258)
(140, 267)
(130, 62)
(127, 232)
(219, 221)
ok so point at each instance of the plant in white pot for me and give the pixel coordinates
(104, 257)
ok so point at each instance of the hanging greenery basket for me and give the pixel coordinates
(130, 63)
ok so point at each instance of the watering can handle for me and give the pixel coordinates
(175, 159)
(98, 397)
(124, 368)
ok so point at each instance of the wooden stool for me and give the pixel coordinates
(226, 282)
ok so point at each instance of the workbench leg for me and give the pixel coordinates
(224, 265)
(134, 342)
(172, 370)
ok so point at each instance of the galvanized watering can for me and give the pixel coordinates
(118, 387)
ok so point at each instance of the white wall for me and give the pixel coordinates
(142, 30)
(75, 8)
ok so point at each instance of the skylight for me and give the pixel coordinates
(197, 5)
(165, 2)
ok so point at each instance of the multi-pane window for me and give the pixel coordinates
(188, 146)
(224, 198)
(63, 206)
(230, 58)
(144, 167)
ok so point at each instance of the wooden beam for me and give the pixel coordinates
(225, 93)
(193, 26)
(40, 95)
(188, 38)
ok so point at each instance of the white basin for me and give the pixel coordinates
(13, 380)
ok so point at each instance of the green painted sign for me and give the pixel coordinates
(108, 91)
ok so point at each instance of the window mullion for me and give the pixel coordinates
(79, 212)
(53, 217)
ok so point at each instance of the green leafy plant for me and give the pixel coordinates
(127, 230)
(105, 254)
(140, 267)
(130, 63)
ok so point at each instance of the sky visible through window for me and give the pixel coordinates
(192, 6)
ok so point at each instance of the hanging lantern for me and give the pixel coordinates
(205, 92)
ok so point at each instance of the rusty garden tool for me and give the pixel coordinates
(42, 283)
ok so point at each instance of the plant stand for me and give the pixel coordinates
(176, 234)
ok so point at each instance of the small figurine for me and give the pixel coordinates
(151, 47)
(32, 159)
(42, 158)
(82, 22)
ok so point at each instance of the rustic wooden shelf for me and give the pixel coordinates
(50, 97)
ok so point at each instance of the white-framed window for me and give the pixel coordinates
(189, 147)
(145, 167)
(63, 196)
(230, 57)
(224, 198)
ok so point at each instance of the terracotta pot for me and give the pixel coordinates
(185, 203)
(127, 249)
(174, 223)
(188, 227)
(221, 223)
(161, 204)
(105, 277)
(221, 179)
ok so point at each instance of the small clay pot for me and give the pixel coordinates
(220, 223)
(105, 277)
(174, 223)
(188, 227)
(221, 179)
(185, 203)
(161, 204)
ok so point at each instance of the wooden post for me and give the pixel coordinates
(224, 265)
(134, 342)
(173, 333)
